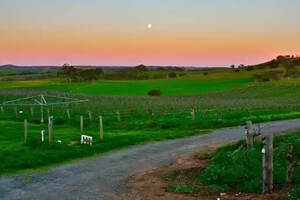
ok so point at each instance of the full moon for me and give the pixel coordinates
(149, 26)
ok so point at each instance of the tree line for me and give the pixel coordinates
(73, 74)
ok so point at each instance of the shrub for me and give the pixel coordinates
(242, 170)
(172, 75)
(184, 189)
(155, 92)
(268, 76)
(205, 73)
(159, 76)
(294, 194)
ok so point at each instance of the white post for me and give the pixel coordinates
(42, 135)
(90, 115)
(101, 127)
(42, 114)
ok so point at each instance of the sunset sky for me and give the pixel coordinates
(115, 32)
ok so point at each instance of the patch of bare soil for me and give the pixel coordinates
(155, 184)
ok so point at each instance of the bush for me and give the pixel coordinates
(159, 76)
(172, 75)
(184, 189)
(268, 76)
(242, 170)
(294, 194)
(155, 92)
(205, 73)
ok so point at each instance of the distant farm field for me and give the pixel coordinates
(169, 87)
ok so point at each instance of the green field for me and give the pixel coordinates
(132, 87)
(220, 99)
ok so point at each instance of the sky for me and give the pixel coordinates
(115, 32)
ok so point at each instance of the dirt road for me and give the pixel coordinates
(106, 176)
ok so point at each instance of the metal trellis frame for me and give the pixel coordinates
(42, 100)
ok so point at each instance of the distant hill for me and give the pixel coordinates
(29, 69)
(279, 60)
(107, 69)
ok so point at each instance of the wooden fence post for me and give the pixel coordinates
(81, 124)
(90, 115)
(68, 113)
(101, 127)
(25, 131)
(249, 137)
(267, 163)
(193, 114)
(50, 129)
(118, 116)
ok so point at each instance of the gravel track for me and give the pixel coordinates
(106, 176)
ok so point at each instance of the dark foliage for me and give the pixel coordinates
(155, 92)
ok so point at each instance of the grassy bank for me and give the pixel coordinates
(233, 169)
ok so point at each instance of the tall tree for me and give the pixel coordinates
(69, 72)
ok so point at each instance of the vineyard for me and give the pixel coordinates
(133, 120)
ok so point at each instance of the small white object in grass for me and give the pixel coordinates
(149, 26)
(86, 139)
(59, 141)
(21, 111)
(263, 151)
(218, 199)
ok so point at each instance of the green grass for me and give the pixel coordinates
(16, 156)
(294, 194)
(220, 103)
(171, 119)
(183, 189)
(239, 171)
(135, 128)
(231, 170)
(132, 87)
(5, 72)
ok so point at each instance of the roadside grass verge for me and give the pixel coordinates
(233, 169)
